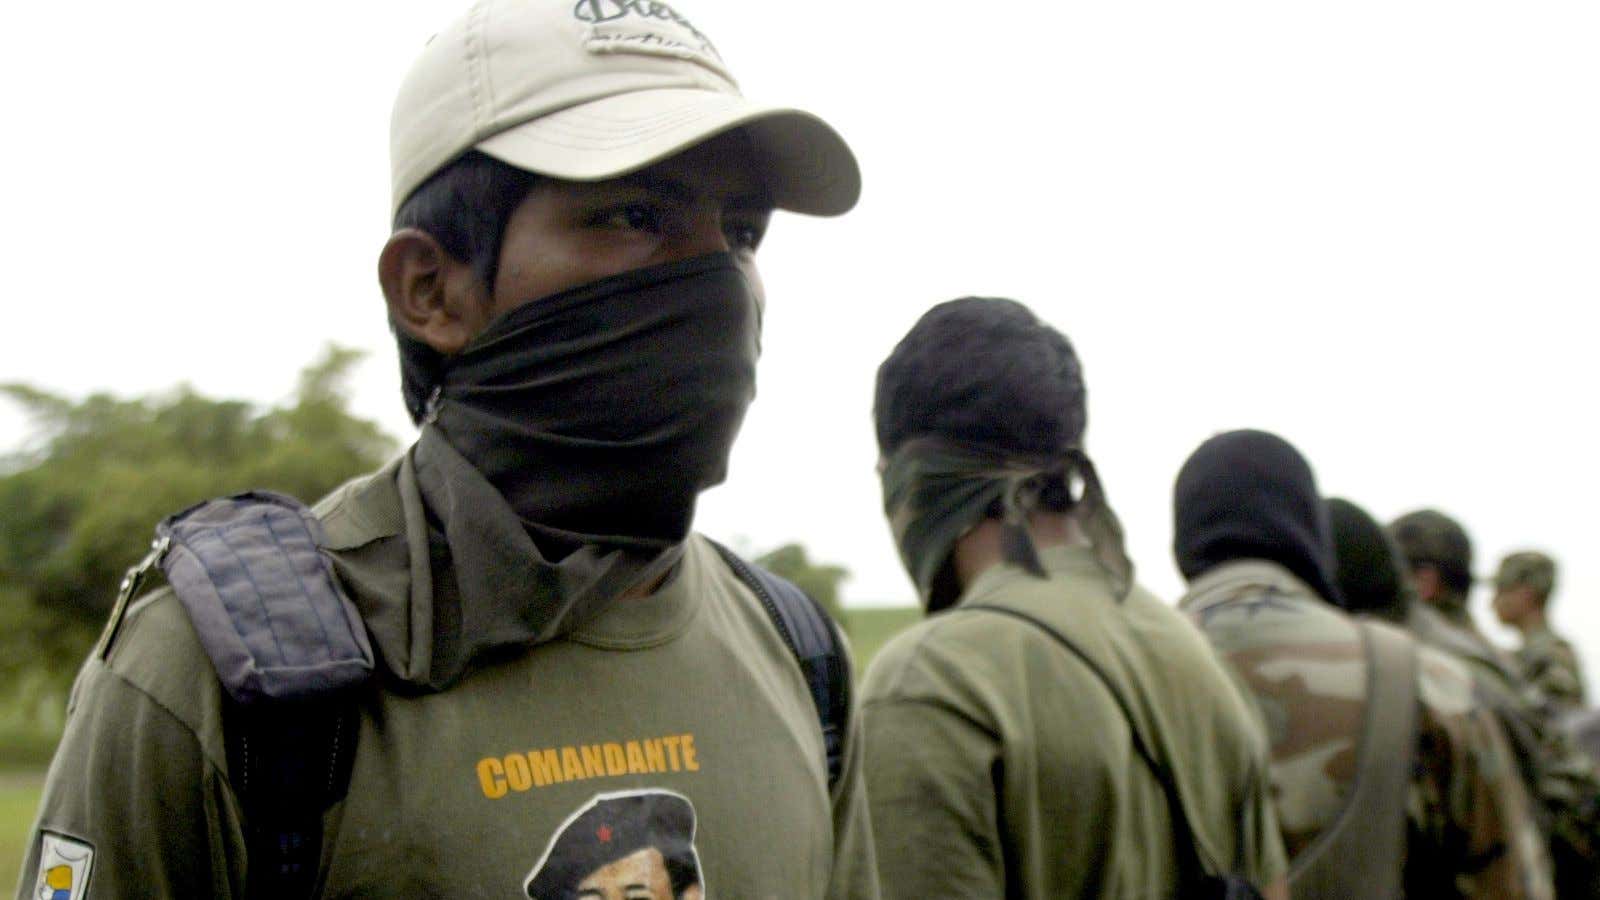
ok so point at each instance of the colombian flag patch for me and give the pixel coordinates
(64, 865)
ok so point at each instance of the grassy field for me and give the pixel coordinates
(22, 765)
(19, 797)
(871, 628)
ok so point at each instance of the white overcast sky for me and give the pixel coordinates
(1371, 227)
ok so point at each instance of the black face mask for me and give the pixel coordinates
(600, 413)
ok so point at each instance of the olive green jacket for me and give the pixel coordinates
(460, 792)
(998, 765)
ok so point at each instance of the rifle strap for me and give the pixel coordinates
(1362, 852)
(1197, 878)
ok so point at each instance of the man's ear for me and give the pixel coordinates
(1428, 582)
(435, 297)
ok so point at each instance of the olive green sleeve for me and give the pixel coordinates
(131, 781)
(934, 813)
(855, 868)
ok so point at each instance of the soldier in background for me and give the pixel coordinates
(1522, 590)
(1387, 771)
(1371, 580)
(1438, 556)
(1051, 730)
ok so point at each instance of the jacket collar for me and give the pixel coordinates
(1224, 582)
(444, 572)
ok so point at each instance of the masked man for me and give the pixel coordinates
(1390, 778)
(579, 191)
(1051, 730)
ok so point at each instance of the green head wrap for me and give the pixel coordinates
(936, 490)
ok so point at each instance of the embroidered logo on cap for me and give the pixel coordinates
(649, 27)
(63, 867)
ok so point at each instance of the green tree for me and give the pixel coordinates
(820, 580)
(80, 501)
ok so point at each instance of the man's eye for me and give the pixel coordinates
(744, 236)
(635, 216)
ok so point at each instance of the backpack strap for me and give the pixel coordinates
(250, 572)
(1371, 829)
(289, 649)
(1196, 878)
(814, 640)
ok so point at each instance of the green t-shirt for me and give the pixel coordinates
(686, 702)
(999, 766)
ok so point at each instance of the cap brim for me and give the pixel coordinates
(807, 165)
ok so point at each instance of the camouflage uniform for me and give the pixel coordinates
(1585, 729)
(1550, 665)
(1563, 779)
(1471, 828)
(1546, 660)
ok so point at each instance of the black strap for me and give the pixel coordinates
(814, 640)
(288, 763)
(1196, 878)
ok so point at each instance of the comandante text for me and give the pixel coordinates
(500, 775)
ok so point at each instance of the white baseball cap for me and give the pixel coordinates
(594, 89)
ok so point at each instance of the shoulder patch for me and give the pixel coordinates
(64, 865)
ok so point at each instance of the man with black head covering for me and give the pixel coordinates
(1018, 739)
(1374, 580)
(1369, 575)
(1387, 775)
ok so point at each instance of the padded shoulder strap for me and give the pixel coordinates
(250, 572)
(1361, 853)
(814, 640)
(288, 648)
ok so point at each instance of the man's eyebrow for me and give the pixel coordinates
(671, 188)
(682, 192)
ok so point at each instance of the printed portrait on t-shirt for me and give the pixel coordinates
(632, 845)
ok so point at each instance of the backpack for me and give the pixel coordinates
(292, 653)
